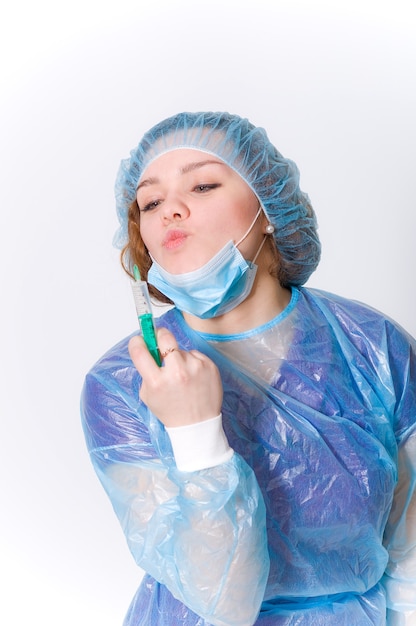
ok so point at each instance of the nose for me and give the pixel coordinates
(174, 209)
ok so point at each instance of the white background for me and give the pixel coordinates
(334, 85)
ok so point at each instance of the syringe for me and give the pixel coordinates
(144, 314)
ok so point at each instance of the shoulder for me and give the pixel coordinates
(114, 373)
(340, 304)
(352, 315)
(384, 343)
(115, 364)
(372, 342)
(111, 411)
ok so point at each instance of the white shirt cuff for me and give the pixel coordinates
(199, 446)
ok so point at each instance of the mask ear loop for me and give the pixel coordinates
(260, 249)
(249, 228)
(269, 231)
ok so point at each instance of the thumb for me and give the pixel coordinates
(141, 357)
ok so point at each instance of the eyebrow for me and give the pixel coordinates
(197, 164)
(190, 167)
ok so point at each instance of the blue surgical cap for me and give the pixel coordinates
(247, 150)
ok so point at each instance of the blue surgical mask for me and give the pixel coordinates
(213, 289)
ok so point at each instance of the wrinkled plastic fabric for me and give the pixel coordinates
(316, 460)
(246, 149)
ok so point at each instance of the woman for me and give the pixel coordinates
(265, 473)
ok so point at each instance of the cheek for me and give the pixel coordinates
(146, 233)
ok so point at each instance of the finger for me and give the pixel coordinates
(199, 355)
(166, 342)
(141, 357)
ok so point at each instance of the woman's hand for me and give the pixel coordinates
(186, 390)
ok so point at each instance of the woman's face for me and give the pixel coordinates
(191, 204)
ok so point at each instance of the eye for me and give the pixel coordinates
(149, 206)
(203, 188)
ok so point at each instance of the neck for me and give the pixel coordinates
(266, 300)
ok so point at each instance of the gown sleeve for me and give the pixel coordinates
(400, 534)
(200, 533)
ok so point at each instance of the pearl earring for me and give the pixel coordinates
(269, 229)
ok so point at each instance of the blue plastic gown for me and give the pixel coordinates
(313, 520)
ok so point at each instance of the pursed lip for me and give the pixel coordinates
(174, 238)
